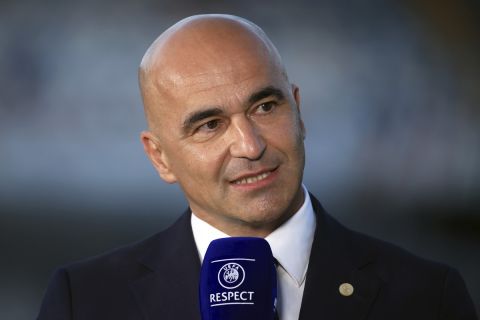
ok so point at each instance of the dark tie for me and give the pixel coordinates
(275, 317)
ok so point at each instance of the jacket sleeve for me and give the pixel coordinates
(456, 302)
(57, 302)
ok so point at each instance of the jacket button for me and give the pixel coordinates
(346, 289)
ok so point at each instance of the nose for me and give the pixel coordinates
(247, 141)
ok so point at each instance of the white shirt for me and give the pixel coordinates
(291, 244)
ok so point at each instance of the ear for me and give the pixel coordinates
(296, 96)
(157, 156)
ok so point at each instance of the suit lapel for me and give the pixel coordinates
(333, 261)
(169, 287)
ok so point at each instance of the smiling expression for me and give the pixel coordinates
(225, 124)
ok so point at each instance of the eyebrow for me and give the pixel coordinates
(197, 116)
(265, 93)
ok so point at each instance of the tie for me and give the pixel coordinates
(275, 317)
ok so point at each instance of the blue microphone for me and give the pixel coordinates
(238, 280)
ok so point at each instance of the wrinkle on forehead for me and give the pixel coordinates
(206, 82)
(203, 51)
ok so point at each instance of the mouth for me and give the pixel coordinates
(253, 178)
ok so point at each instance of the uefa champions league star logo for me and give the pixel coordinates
(231, 275)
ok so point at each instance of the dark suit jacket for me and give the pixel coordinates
(158, 278)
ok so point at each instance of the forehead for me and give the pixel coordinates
(210, 66)
(227, 83)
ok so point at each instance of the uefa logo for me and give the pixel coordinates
(231, 275)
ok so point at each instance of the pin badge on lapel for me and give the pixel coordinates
(346, 289)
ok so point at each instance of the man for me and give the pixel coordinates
(224, 123)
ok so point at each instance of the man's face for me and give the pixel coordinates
(232, 138)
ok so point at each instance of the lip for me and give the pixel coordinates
(272, 174)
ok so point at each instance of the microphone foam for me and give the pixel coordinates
(238, 280)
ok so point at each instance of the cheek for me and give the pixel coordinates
(202, 161)
(286, 134)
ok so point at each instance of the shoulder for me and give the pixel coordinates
(423, 282)
(389, 260)
(405, 279)
(364, 251)
(126, 261)
(100, 287)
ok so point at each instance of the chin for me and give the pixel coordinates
(260, 217)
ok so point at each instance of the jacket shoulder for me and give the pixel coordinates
(431, 288)
(390, 260)
(126, 258)
(100, 287)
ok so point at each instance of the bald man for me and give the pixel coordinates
(224, 123)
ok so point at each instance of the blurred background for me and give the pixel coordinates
(390, 97)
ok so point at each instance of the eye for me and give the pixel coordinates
(266, 107)
(209, 125)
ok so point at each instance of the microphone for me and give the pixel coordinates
(238, 280)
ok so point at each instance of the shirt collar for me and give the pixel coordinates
(204, 233)
(291, 242)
